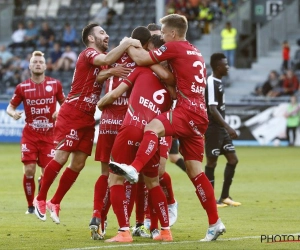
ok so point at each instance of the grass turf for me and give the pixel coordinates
(266, 182)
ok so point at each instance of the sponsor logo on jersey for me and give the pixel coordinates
(73, 135)
(24, 148)
(48, 88)
(215, 152)
(193, 53)
(163, 48)
(41, 101)
(41, 122)
(228, 147)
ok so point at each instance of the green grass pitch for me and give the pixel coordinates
(267, 182)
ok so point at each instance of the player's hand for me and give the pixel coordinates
(131, 42)
(17, 115)
(54, 115)
(232, 133)
(121, 71)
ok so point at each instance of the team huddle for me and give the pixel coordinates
(156, 95)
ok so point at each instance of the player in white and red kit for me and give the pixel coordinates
(148, 99)
(74, 129)
(39, 95)
(110, 122)
(188, 121)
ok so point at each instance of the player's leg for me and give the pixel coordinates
(120, 207)
(101, 194)
(159, 204)
(101, 189)
(175, 157)
(166, 185)
(29, 185)
(204, 189)
(229, 172)
(67, 179)
(228, 150)
(139, 229)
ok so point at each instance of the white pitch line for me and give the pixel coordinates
(167, 243)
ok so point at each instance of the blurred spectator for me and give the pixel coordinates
(270, 84)
(5, 55)
(18, 37)
(24, 67)
(285, 55)
(67, 60)
(293, 119)
(296, 60)
(69, 36)
(229, 44)
(31, 34)
(170, 7)
(290, 84)
(205, 17)
(55, 54)
(46, 36)
(104, 14)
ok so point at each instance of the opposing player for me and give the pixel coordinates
(188, 121)
(219, 135)
(110, 122)
(39, 95)
(143, 106)
(74, 129)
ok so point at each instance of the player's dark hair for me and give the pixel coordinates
(88, 30)
(153, 27)
(176, 21)
(156, 40)
(142, 34)
(215, 59)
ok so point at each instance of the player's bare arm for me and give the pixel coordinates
(140, 56)
(218, 117)
(119, 71)
(113, 95)
(164, 74)
(116, 53)
(11, 111)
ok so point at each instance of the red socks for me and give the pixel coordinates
(100, 191)
(205, 193)
(140, 203)
(130, 194)
(119, 204)
(67, 179)
(146, 151)
(50, 173)
(29, 189)
(159, 203)
(166, 185)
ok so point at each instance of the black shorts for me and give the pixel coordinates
(174, 148)
(217, 142)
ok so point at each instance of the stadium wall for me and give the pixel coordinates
(257, 125)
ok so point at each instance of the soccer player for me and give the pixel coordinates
(39, 95)
(188, 121)
(219, 135)
(154, 28)
(174, 155)
(110, 122)
(75, 125)
(148, 98)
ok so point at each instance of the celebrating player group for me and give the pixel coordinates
(155, 85)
